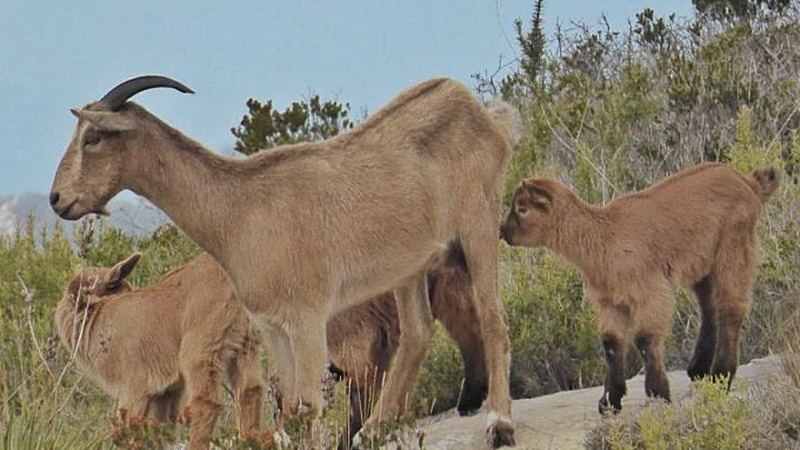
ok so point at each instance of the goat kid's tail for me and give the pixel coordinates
(765, 182)
(507, 118)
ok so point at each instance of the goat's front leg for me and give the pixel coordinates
(416, 330)
(651, 347)
(307, 335)
(280, 361)
(615, 387)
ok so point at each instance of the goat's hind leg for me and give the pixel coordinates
(703, 357)
(730, 316)
(481, 253)
(451, 302)
(733, 284)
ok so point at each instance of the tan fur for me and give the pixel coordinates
(307, 230)
(363, 339)
(693, 229)
(146, 347)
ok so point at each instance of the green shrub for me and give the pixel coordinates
(712, 418)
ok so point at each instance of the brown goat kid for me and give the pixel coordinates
(305, 231)
(694, 229)
(146, 347)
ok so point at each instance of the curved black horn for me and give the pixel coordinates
(115, 98)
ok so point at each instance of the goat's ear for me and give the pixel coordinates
(105, 120)
(123, 268)
(539, 196)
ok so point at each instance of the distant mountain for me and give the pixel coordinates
(135, 216)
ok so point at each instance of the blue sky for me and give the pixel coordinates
(58, 55)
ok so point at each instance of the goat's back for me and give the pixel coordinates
(128, 341)
(678, 223)
(362, 212)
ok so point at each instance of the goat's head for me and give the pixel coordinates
(531, 217)
(91, 284)
(88, 175)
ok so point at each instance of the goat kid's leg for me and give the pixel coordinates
(358, 406)
(481, 252)
(733, 284)
(733, 279)
(451, 303)
(615, 387)
(416, 330)
(248, 386)
(651, 347)
(166, 406)
(652, 320)
(703, 357)
(729, 323)
(614, 324)
(203, 377)
(131, 405)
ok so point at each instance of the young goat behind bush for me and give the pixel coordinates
(146, 347)
(693, 229)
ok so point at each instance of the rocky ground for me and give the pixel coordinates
(560, 421)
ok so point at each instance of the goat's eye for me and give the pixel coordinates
(522, 211)
(91, 139)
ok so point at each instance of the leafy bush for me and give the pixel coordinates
(756, 418)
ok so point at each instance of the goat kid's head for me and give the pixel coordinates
(530, 218)
(88, 175)
(92, 284)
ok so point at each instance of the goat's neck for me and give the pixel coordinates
(581, 235)
(190, 184)
(76, 325)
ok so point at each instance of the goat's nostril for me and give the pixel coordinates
(54, 197)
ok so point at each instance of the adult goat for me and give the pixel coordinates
(304, 231)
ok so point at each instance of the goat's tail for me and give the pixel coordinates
(765, 182)
(507, 118)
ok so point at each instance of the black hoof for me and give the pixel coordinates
(604, 407)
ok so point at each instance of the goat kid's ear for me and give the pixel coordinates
(123, 268)
(539, 197)
(105, 120)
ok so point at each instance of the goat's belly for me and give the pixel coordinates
(372, 280)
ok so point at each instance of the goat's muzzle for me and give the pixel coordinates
(63, 210)
(504, 233)
(54, 197)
